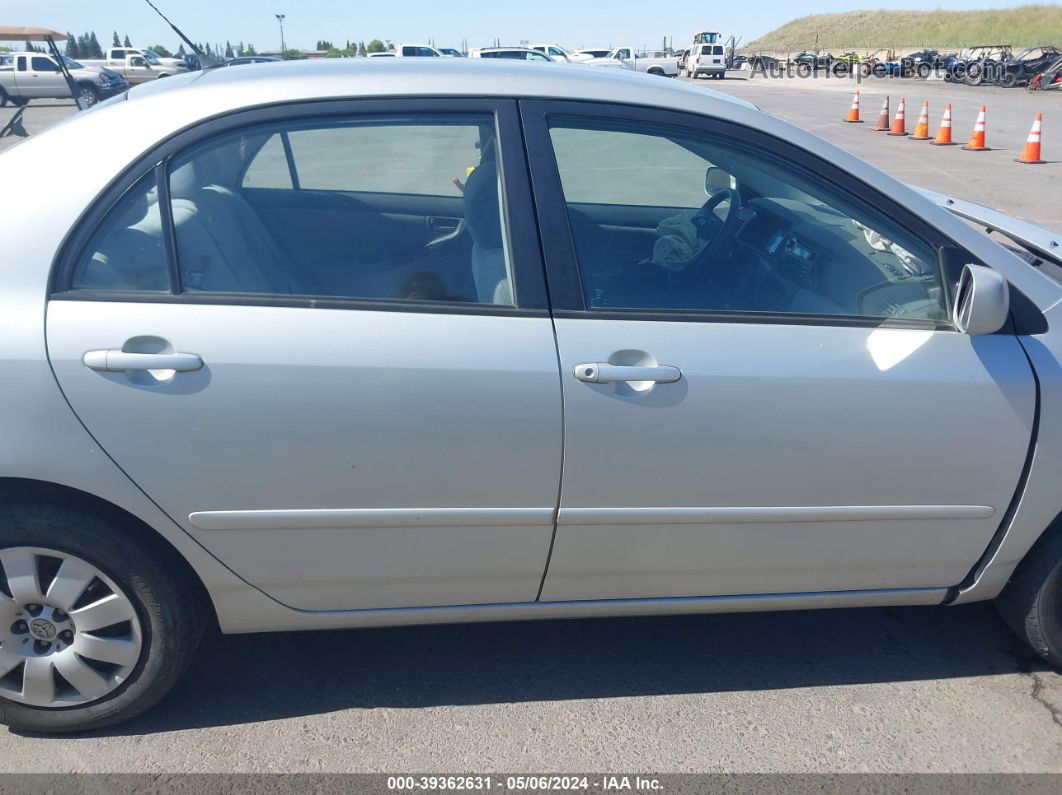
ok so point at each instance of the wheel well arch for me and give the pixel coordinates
(14, 490)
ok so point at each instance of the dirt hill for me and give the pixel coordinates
(1025, 25)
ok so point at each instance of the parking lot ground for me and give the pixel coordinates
(903, 690)
(991, 178)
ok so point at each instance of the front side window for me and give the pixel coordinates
(392, 209)
(44, 65)
(670, 219)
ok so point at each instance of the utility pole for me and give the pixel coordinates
(283, 46)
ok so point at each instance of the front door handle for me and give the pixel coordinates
(120, 361)
(604, 373)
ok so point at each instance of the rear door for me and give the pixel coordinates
(762, 393)
(347, 409)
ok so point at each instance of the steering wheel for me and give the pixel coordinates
(715, 231)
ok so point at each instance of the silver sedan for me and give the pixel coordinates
(323, 345)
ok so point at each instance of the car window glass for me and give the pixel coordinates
(126, 252)
(667, 219)
(384, 209)
(44, 65)
(717, 50)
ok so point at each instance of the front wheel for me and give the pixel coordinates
(924, 70)
(87, 95)
(1032, 601)
(94, 627)
(1009, 80)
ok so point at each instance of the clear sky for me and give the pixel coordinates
(447, 22)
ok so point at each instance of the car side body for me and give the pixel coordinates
(314, 462)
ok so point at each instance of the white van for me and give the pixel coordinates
(706, 59)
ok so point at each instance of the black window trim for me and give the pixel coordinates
(558, 247)
(520, 230)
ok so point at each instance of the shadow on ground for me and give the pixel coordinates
(241, 679)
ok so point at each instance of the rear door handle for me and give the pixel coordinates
(119, 361)
(604, 373)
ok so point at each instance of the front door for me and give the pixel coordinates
(342, 377)
(762, 391)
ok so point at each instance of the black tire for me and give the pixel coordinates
(170, 605)
(3, 98)
(924, 70)
(803, 69)
(88, 93)
(656, 71)
(1032, 601)
(1008, 80)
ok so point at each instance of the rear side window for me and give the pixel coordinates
(389, 209)
(126, 252)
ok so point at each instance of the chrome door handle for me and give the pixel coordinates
(119, 361)
(604, 373)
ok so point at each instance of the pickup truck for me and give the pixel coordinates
(33, 75)
(653, 63)
(139, 65)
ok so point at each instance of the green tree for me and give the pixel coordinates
(180, 51)
(292, 54)
(228, 50)
(71, 46)
(116, 42)
(161, 51)
(127, 43)
(361, 49)
(323, 44)
(249, 50)
(94, 45)
(376, 46)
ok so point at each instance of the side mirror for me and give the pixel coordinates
(982, 301)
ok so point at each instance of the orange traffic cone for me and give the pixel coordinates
(1030, 154)
(853, 112)
(977, 138)
(944, 131)
(883, 119)
(921, 132)
(899, 125)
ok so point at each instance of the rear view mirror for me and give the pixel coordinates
(717, 179)
(982, 301)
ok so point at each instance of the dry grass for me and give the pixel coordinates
(1025, 25)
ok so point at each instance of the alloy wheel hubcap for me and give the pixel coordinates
(68, 634)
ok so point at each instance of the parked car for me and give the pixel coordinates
(706, 59)
(974, 64)
(1049, 79)
(243, 60)
(416, 51)
(138, 65)
(654, 63)
(681, 60)
(923, 62)
(558, 53)
(267, 380)
(450, 52)
(760, 63)
(1024, 66)
(34, 75)
(808, 62)
(510, 54)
